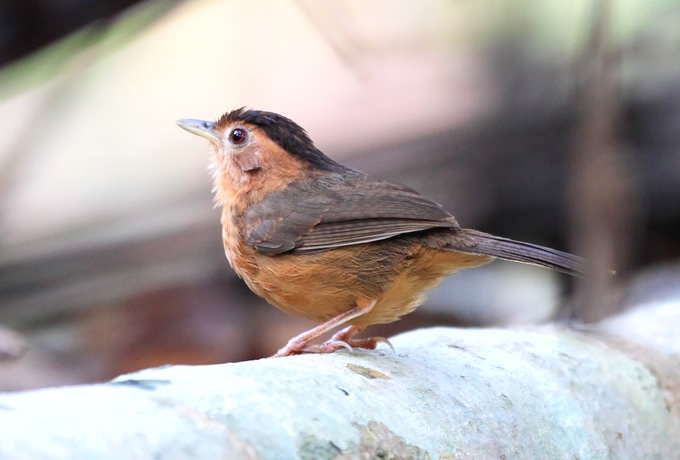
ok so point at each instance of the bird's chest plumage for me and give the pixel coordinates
(242, 180)
(233, 241)
(236, 190)
(259, 272)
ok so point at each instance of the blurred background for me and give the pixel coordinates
(556, 122)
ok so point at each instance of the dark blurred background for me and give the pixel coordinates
(554, 122)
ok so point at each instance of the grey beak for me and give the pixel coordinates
(200, 128)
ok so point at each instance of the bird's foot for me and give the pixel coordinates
(296, 348)
(342, 339)
(345, 336)
(334, 344)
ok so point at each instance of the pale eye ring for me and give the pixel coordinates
(238, 136)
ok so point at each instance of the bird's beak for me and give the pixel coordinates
(200, 128)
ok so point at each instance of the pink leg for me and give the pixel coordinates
(300, 343)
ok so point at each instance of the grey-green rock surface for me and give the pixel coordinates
(541, 392)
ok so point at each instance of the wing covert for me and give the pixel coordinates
(335, 210)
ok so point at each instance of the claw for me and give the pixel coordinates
(386, 342)
(328, 347)
(337, 344)
(286, 351)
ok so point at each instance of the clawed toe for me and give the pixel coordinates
(330, 346)
(342, 339)
(348, 344)
(286, 351)
(370, 343)
(385, 341)
(296, 348)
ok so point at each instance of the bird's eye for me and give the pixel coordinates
(238, 136)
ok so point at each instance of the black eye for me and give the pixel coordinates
(238, 136)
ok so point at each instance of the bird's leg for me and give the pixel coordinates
(300, 343)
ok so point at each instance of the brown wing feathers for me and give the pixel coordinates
(327, 236)
(338, 210)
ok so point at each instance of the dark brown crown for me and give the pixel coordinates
(285, 132)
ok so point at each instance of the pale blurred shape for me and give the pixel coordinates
(501, 293)
(111, 147)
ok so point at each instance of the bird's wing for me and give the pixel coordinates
(334, 210)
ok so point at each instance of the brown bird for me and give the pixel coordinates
(332, 244)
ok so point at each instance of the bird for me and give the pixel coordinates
(332, 244)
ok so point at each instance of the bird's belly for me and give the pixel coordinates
(322, 285)
(407, 291)
(316, 286)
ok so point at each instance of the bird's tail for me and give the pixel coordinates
(519, 251)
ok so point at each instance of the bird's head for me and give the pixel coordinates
(256, 149)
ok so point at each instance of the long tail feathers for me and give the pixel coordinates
(519, 251)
